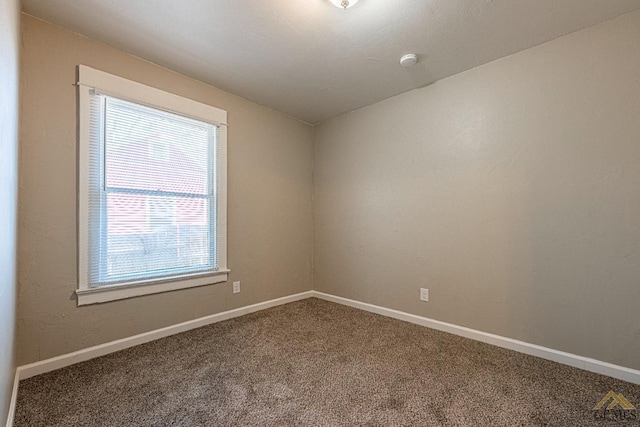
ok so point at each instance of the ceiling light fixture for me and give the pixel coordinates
(344, 4)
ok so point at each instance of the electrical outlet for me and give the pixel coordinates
(236, 287)
(424, 294)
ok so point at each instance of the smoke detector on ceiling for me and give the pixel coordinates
(408, 60)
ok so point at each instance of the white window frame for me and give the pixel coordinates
(91, 80)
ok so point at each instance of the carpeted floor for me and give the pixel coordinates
(315, 363)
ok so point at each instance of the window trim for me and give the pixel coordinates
(90, 79)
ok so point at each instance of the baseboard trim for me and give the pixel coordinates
(588, 364)
(48, 365)
(14, 398)
(592, 365)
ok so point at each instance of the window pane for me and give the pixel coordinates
(152, 190)
(153, 236)
(149, 149)
(157, 215)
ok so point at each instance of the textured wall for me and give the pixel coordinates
(9, 66)
(511, 191)
(269, 202)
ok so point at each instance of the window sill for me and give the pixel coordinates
(113, 293)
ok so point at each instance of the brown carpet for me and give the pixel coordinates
(315, 363)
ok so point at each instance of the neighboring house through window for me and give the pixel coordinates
(152, 190)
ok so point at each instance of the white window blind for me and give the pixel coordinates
(152, 208)
(150, 197)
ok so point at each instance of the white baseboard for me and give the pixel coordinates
(48, 365)
(592, 365)
(14, 398)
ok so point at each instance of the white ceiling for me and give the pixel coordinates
(313, 61)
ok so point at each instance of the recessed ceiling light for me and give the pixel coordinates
(408, 60)
(344, 4)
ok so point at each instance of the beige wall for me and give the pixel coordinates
(511, 191)
(269, 212)
(9, 67)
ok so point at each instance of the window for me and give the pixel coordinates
(152, 190)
